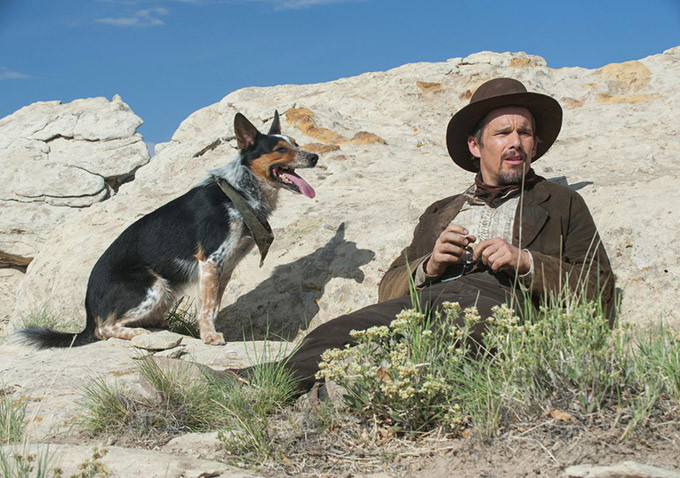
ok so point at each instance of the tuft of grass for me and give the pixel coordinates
(186, 401)
(560, 357)
(45, 317)
(15, 461)
(180, 403)
(659, 358)
(182, 318)
(23, 464)
(19, 464)
(106, 407)
(248, 435)
(12, 420)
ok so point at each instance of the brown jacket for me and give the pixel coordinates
(556, 227)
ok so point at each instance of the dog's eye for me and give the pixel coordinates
(281, 150)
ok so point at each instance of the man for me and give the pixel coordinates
(511, 230)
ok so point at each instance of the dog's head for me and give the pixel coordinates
(273, 157)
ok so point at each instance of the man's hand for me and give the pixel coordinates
(499, 255)
(447, 250)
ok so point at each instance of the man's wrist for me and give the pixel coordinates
(530, 272)
(421, 277)
(425, 263)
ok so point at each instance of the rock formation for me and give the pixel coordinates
(57, 159)
(383, 159)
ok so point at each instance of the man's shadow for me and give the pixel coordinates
(287, 301)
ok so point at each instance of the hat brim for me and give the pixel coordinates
(547, 114)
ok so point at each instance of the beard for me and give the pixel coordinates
(510, 177)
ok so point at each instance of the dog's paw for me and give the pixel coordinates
(214, 338)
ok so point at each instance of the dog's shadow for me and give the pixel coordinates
(288, 300)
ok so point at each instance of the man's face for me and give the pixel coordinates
(506, 146)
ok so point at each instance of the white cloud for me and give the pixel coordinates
(148, 17)
(276, 4)
(6, 74)
(303, 3)
(298, 4)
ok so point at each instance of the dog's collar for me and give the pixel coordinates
(255, 221)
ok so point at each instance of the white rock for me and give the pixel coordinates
(162, 340)
(9, 279)
(627, 469)
(126, 462)
(116, 157)
(173, 353)
(102, 120)
(197, 445)
(503, 59)
(57, 158)
(38, 181)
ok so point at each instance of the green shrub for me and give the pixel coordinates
(561, 357)
(419, 372)
(401, 374)
(659, 358)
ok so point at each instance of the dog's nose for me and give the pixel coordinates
(313, 158)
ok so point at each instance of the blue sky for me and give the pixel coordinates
(168, 58)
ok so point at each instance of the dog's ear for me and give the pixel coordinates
(246, 133)
(276, 124)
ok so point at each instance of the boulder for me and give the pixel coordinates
(162, 340)
(116, 461)
(384, 160)
(57, 159)
(627, 469)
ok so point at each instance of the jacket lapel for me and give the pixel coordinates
(533, 215)
(448, 212)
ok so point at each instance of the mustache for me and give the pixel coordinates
(514, 153)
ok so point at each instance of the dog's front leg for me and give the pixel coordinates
(209, 298)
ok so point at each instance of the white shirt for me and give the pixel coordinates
(484, 222)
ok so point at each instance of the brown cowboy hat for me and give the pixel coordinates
(494, 94)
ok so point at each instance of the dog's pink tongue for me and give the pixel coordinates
(302, 185)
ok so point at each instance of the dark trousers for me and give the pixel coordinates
(481, 290)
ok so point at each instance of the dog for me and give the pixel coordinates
(199, 237)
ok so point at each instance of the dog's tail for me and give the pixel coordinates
(44, 338)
